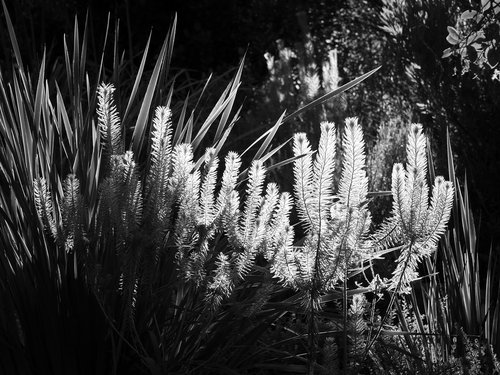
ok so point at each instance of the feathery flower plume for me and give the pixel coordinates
(414, 223)
(108, 120)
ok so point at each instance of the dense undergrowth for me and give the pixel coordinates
(134, 240)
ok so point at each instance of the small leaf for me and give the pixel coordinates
(453, 32)
(451, 40)
(453, 36)
(468, 14)
(474, 36)
(447, 53)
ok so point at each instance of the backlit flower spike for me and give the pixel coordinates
(284, 260)
(43, 205)
(439, 210)
(303, 186)
(226, 197)
(265, 215)
(280, 221)
(207, 200)
(353, 186)
(414, 224)
(323, 168)
(71, 212)
(417, 190)
(220, 284)
(182, 166)
(108, 119)
(161, 149)
(133, 190)
(256, 175)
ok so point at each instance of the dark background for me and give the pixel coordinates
(212, 36)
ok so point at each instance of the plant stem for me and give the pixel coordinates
(391, 302)
(312, 331)
(344, 317)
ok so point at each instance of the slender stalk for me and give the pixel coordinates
(344, 317)
(312, 303)
(312, 332)
(391, 302)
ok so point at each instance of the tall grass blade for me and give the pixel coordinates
(227, 111)
(14, 43)
(162, 62)
(216, 111)
(269, 138)
(331, 94)
(179, 129)
(137, 80)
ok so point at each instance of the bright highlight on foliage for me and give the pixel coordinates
(215, 232)
(415, 224)
(184, 203)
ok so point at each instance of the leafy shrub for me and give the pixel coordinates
(475, 37)
(213, 243)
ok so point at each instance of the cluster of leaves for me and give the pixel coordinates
(475, 39)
